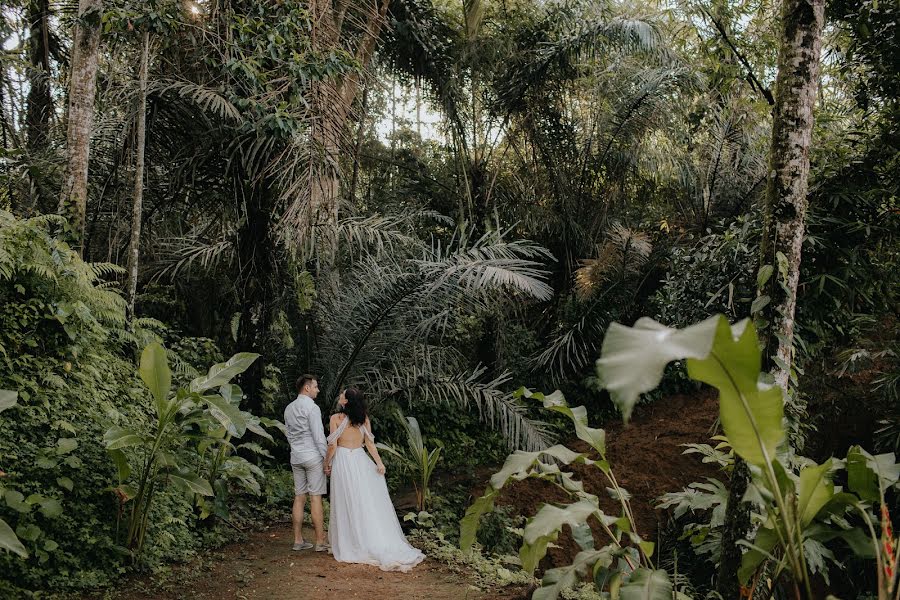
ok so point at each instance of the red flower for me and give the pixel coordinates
(887, 547)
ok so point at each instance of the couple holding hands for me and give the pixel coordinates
(363, 526)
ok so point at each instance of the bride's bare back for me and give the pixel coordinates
(353, 436)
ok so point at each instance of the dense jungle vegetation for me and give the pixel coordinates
(516, 225)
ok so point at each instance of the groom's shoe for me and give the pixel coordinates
(323, 548)
(302, 546)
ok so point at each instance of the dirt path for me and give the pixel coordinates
(265, 567)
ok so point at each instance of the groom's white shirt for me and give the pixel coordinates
(305, 434)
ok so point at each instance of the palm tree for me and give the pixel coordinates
(388, 324)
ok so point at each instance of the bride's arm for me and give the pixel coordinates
(329, 455)
(373, 450)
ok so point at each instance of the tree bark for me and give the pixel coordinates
(785, 216)
(134, 246)
(331, 101)
(82, 90)
(783, 232)
(258, 288)
(40, 103)
(360, 131)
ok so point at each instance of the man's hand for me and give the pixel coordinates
(328, 470)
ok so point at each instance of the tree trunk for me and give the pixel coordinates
(82, 90)
(783, 231)
(326, 133)
(786, 202)
(360, 131)
(134, 246)
(257, 288)
(40, 103)
(331, 102)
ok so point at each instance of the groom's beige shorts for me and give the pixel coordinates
(309, 478)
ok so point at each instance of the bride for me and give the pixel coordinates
(363, 526)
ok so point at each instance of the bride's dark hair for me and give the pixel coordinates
(355, 408)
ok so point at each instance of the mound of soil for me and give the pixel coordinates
(647, 460)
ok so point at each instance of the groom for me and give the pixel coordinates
(303, 423)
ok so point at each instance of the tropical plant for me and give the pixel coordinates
(419, 460)
(8, 539)
(801, 507)
(388, 331)
(624, 566)
(168, 455)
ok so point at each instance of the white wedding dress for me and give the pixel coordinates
(363, 527)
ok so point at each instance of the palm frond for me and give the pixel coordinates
(205, 98)
(496, 407)
(490, 263)
(184, 253)
(623, 254)
(380, 233)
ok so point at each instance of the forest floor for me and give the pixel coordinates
(645, 455)
(264, 566)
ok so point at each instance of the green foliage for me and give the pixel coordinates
(192, 424)
(624, 557)
(392, 338)
(711, 274)
(488, 572)
(419, 460)
(62, 329)
(799, 509)
(8, 539)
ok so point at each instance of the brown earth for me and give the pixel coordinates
(265, 567)
(647, 460)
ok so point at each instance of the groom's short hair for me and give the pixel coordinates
(303, 379)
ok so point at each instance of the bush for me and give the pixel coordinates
(714, 274)
(65, 350)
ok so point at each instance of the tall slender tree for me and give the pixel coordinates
(40, 102)
(140, 136)
(82, 89)
(783, 231)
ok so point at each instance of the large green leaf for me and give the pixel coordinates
(766, 540)
(815, 490)
(191, 482)
(633, 358)
(229, 415)
(16, 501)
(254, 425)
(518, 466)
(751, 411)
(266, 422)
(726, 357)
(644, 584)
(555, 581)
(66, 445)
(50, 508)
(545, 526)
(222, 373)
(8, 399)
(121, 462)
(860, 543)
(119, 437)
(155, 374)
(556, 402)
(9, 541)
(468, 525)
(869, 476)
(520, 461)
